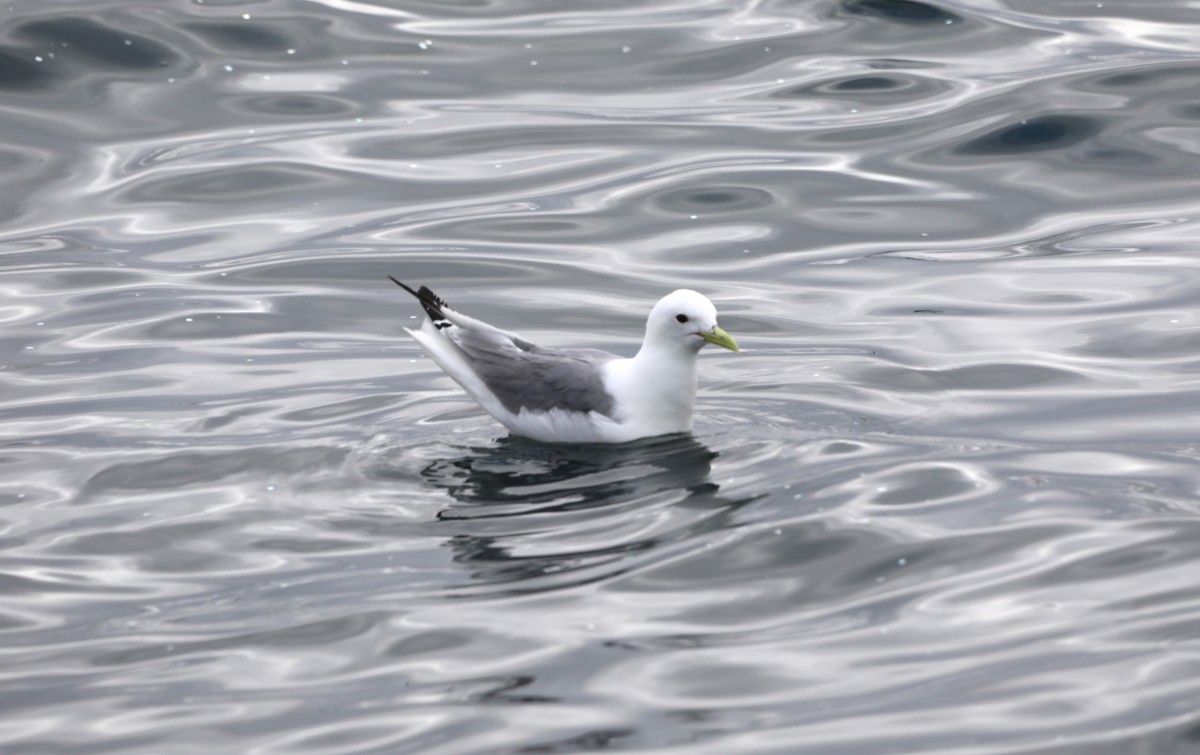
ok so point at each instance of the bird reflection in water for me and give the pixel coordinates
(527, 510)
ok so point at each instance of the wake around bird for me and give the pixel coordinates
(577, 395)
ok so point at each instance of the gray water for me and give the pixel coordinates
(944, 501)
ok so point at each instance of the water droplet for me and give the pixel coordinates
(38, 58)
(245, 16)
(533, 62)
(902, 561)
(228, 67)
(128, 42)
(694, 217)
(187, 319)
(625, 48)
(291, 51)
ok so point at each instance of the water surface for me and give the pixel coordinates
(944, 501)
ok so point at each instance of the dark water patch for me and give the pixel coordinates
(527, 229)
(292, 105)
(712, 199)
(425, 643)
(1038, 134)
(900, 11)
(1142, 81)
(840, 448)
(242, 36)
(867, 91)
(1121, 156)
(100, 44)
(870, 83)
(303, 545)
(1191, 112)
(21, 72)
(229, 185)
(888, 64)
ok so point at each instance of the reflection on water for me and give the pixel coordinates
(943, 501)
(560, 477)
(524, 509)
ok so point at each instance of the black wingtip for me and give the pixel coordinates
(430, 302)
(406, 288)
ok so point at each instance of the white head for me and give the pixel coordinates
(684, 321)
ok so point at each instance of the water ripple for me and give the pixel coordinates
(944, 499)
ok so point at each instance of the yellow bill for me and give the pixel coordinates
(720, 338)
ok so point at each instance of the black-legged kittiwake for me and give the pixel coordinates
(577, 395)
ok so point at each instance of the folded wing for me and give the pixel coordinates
(496, 366)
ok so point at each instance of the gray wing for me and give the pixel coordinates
(525, 376)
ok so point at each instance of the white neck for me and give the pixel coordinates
(659, 388)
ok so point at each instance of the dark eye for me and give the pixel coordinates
(681, 318)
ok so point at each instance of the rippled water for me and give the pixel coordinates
(945, 501)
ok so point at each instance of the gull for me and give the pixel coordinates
(576, 395)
